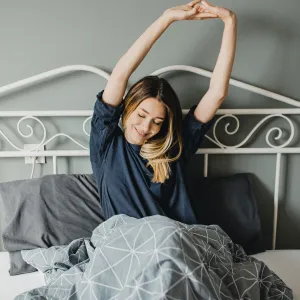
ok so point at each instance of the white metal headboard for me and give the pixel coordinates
(225, 113)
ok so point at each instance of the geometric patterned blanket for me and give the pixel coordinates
(152, 258)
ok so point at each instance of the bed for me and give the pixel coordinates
(285, 263)
(11, 286)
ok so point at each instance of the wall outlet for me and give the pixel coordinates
(29, 159)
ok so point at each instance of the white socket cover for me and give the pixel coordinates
(29, 159)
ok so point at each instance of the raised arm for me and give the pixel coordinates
(116, 85)
(219, 82)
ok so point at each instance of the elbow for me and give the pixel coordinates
(219, 94)
(222, 97)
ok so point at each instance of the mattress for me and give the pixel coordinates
(285, 263)
(11, 286)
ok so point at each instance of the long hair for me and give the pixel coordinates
(159, 148)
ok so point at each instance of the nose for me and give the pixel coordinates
(146, 126)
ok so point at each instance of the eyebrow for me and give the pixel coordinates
(148, 114)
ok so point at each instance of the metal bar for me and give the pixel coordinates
(205, 164)
(276, 195)
(233, 82)
(258, 111)
(54, 165)
(201, 151)
(199, 71)
(87, 113)
(51, 74)
(248, 150)
(47, 113)
(44, 153)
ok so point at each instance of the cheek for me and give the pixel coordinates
(135, 120)
(131, 120)
(156, 130)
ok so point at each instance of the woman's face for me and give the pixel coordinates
(145, 121)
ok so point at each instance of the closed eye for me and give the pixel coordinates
(157, 123)
(153, 121)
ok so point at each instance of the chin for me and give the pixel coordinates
(140, 141)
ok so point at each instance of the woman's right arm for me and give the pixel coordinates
(107, 111)
(117, 83)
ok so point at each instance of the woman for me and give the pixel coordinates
(139, 172)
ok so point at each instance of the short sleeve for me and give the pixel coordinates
(193, 133)
(104, 126)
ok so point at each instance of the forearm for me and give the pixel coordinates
(136, 53)
(221, 75)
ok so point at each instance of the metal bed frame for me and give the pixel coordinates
(223, 113)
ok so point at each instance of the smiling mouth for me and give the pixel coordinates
(142, 135)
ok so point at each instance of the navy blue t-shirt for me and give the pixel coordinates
(123, 181)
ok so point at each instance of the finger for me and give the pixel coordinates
(201, 16)
(202, 10)
(209, 7)
(208, 18)
(192, 12)
(192, 3)
(206, 15)
(184, 7)
(197, 7)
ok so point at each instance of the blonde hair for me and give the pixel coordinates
(158, 149)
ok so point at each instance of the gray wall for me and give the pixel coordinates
(37, 36)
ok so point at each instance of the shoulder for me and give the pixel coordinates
(191, 122)
(105, 110)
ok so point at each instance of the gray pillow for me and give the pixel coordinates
(48, 211)
(230, 202)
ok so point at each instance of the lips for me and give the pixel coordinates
(142, 135)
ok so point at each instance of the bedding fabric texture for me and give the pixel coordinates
(152, 258)
(47, 211)
(56, 209)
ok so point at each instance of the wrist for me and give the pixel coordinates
(166, 19)
(231, 19)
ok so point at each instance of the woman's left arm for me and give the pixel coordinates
(219, 83)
